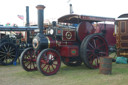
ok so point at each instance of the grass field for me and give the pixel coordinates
(15, 75)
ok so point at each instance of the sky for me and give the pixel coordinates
(9, 9)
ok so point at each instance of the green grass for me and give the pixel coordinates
(15, 75)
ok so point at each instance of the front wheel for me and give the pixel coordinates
(48, 62)
(28, 60)
(92, 48)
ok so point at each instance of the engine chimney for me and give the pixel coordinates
(71, 10)
(27, 15)
(40, 9)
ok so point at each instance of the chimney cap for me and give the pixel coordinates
(40, 7)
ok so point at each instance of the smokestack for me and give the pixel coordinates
(27, 23)
(40, 9)
(27, 15)
(71, 10)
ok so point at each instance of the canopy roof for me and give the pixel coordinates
(74, 18)
(123, 16)
(9, 28)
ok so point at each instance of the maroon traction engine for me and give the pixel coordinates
(74, 44)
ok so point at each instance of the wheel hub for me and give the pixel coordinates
(96, 51)
(50, 62)
(8, 54)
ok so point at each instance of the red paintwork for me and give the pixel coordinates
(73, 35)
(78, 19)
(65, 47)
(111, 40)
(84, 29)
(109, 35)
(57, 43)
(69, 51)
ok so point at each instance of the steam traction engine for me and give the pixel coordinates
(12, 43)
(72, 44)
(14, 39)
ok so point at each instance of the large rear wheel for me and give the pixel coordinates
(92, 48)
(48, 62)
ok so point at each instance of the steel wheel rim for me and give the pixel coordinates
(49, 62)
(96, 48)
(29, 60)
(7, 53)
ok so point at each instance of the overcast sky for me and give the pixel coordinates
(9, 9)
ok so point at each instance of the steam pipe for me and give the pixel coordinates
(40, 9)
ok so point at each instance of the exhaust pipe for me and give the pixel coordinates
(40, 9)
(27, 15)
(27, 23)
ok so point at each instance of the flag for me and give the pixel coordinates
(21, 17)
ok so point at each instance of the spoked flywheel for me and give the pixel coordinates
(7, 53)
(48, 62)
(28, 60)
(92, 48)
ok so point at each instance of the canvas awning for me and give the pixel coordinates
(74, 18)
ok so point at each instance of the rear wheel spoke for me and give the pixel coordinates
(96, 47)
(94, 41)
(2, 52)
(9, 56)
(91, 45)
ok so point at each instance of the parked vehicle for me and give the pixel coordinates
(74, 39)
(13, 40)
(121, 34)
